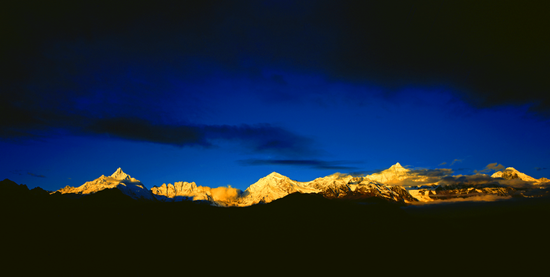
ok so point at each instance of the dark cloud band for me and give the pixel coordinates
(476, 51)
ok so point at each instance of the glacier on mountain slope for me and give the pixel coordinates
(119, 180)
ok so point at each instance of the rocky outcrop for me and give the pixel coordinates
(182, 191)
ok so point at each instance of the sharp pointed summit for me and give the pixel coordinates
(120, 175)
(118, 171)
(397, 166)
(395, 172)
(275, 174)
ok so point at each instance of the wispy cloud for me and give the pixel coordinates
(491, 167)
(257, 138)
(36, 175)
(452, 163)
(495, 166)
(455, 161)
(144, 130)
(440, 172)
(21, 173)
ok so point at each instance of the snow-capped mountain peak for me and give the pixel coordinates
(120, 175)
(119, 180)
(275, 175)
(398, 168)
(271, 187)
(273, 179)
(395, 172)
(511, 173)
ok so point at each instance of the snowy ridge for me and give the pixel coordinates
(119, 180)
(182, 191)
(348, 187)
(275, 186)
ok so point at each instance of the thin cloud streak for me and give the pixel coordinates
(455, 161)
(20, 173)
(36, 175)
(491, 167)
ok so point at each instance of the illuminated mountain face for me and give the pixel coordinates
(511, 173)
(119, 180)
(392, 184)
(275, 186)
(395, 184)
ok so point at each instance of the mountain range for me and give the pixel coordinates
(324, 223)
(395, 184)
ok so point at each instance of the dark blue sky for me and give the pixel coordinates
(225, 92)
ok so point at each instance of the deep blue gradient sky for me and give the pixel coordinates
(225, 92)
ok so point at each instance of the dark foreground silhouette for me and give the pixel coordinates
(111, 234)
